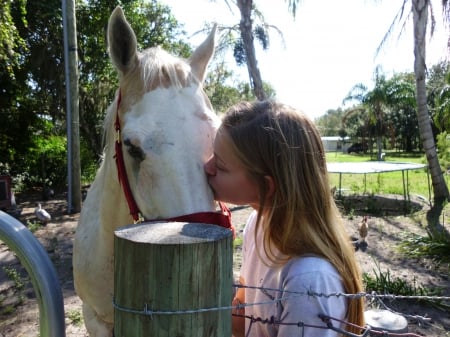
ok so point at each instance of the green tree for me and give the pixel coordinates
(29, 88)
(330, 124)
(223, 91)
(375, 101)
(98, 81)
(402, 119)
(32, 103)
(356, 125)
(11, 43)
(387, 107)
(438, 87)
(221, 95)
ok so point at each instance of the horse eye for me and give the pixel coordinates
(134, 151)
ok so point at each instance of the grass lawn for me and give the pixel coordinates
(382, 183)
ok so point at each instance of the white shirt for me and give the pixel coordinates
(300, 275)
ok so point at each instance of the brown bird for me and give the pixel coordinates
(363, 229)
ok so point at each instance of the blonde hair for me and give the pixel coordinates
(273, 139)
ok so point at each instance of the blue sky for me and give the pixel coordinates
(328, 48)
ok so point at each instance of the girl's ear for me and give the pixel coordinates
(271, 188)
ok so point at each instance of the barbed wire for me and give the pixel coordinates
(365, 331)
(288, 295)
(371, 295)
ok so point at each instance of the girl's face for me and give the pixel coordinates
(227, 176)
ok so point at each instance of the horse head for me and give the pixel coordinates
(167, 123)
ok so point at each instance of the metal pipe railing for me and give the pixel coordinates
(42, 273)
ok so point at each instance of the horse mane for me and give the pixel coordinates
(163, 69)
(156, 68)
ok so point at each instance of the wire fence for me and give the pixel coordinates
(336, 324)
(331, 323)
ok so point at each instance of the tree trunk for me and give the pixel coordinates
(379, 147)
(73, 124)
(245, 26)
(440, 189)
(379, 128)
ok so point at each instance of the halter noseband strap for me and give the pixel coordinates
(222, 219)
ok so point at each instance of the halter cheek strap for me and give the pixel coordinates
(222, 219)
(121, 170)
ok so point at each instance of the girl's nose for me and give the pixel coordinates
(210, 167)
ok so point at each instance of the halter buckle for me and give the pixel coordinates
(139, 219)
(118, 135)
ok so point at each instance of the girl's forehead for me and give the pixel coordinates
(222, 138)
(224, 149)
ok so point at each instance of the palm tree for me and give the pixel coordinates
(440, 189)
(376, 102)
(246, 28)
(248, 9)
(421, 14)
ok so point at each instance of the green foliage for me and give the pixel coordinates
(237, 243)
(386, 112)
(6, 310)
(45, 160)
(14, 276)
(330, 124)
(441, 117)
(32, 104)
(11, 43)
(239, 53)
(384, 283)
(153, 25)
(31, 98)
(89, 163)
(222, 94)
(262, 35)
(33, 226)
(19, 284)
(436, 246)
(438, 97)
(75, 316)
(443, 146)
(351, 214)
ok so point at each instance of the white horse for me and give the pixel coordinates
(167, 126)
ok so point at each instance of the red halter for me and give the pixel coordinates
(222, 219)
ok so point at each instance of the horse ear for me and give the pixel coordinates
(121, 41)
(202, 55)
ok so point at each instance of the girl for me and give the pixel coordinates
(270, 156)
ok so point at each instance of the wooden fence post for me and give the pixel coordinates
(167, 278)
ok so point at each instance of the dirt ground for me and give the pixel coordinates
(388, 226)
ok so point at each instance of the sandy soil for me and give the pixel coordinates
(388, 226)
